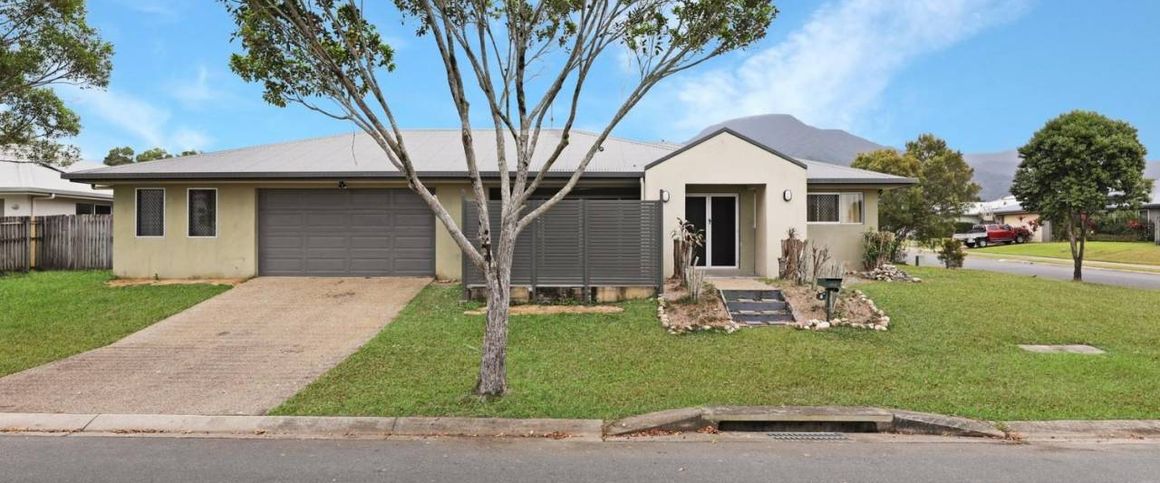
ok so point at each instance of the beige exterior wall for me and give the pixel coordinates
(231, 254)
(234, 252)
(728, 160)
(845, 239)
(448, 256)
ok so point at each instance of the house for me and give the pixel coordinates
(33, 189)
(1151, 212)
(335, 206)
(1008, 211)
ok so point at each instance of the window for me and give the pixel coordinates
(150, 212)
(202, 204)
(835, 208)
(93, 209)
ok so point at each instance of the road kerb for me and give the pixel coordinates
(331, 427)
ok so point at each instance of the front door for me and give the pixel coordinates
(716, 217)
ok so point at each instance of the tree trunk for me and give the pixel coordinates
(1076, 247)
(492, 380)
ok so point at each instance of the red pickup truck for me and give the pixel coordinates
(983, 235)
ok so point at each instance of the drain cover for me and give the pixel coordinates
(807, 436)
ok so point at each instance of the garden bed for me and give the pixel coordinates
(680, 314)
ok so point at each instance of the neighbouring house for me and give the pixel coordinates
(335, 206)
(1151, 212)
(34, 189)
(1008, 211)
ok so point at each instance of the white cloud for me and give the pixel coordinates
(197, 91)
(833, 70)
(124, 119)
(162, 8)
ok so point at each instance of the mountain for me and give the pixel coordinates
(785, 133)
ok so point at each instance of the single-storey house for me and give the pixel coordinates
(1008, 211)
(1151, 212)
(33, 189)
(336, 206)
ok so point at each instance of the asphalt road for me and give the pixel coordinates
(128, 459)
(1051, 270)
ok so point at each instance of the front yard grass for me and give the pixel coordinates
(45, 316)
(1140, 253)
(951, 349)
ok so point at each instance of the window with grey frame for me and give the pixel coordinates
(202, 206)
(151, 212)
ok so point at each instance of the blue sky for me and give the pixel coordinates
(983, 74)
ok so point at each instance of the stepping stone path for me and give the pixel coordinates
(757, 307)
(1065, 349)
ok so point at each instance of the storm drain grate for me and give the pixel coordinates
(810, 436)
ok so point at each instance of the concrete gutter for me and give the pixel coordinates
(700, 419)
(297, 427)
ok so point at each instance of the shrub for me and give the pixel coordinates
(879, 247)
(952, 253)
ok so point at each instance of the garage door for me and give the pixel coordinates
(355, 232)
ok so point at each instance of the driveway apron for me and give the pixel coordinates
(242, 352)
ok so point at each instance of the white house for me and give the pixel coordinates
(33, 189)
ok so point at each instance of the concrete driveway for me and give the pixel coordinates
(242, 352)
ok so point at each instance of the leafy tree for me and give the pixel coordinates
(928, 209)
(45, 43)
(1078, 166)
(189, 152)
(525, 59)
(153, 155)
(119, 156)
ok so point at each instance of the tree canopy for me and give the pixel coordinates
(927, 210)
(1079, 165)
(124, 155)
(46, 43)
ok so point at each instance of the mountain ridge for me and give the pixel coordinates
(786, 133)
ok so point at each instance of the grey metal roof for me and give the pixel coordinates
(818, 172)
(436, 153)
(26, 177)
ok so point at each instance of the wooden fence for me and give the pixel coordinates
(63, 242)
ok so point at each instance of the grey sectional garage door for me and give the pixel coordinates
(355, 232)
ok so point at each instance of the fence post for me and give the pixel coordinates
(658, 214)
(27, 222)
(584, 250)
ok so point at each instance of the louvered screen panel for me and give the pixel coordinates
(581, 243)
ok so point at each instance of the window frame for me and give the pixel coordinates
(861, 209)
(137, 211)
(837, 211)
(189, 212)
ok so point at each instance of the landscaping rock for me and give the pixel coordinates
(889, 273)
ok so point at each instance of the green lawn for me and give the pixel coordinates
(45, 316)
(1141, 253)
(951, 349)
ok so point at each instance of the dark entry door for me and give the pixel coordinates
(696, 213)
(716, 217)
(723, 231)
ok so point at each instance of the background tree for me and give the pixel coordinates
(153, 155)
(1078, 166)
(927, 210)
(119, 156)
(522, 59)
(45, 43)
